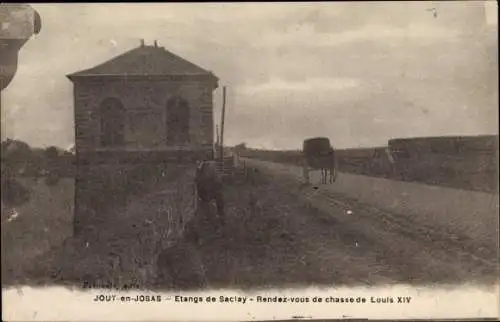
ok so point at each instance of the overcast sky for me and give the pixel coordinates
(359, 73)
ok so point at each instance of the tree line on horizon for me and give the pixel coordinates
(18, 158)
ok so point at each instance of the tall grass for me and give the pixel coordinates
(44, 221)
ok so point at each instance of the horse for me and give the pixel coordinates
(327, 164)
(209, 188)
(330, 170)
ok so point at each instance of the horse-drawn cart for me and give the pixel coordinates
(319, 154)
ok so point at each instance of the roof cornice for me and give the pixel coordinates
(125, 77)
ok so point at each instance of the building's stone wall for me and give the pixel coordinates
(145, 104)
(107, 178)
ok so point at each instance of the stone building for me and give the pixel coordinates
(140, 119)
(146, 102)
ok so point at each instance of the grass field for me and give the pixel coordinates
(45, 221)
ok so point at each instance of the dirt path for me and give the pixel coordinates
(271, 240)
(292, 238)
(406, 250)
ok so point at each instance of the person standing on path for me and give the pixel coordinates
(209, 187)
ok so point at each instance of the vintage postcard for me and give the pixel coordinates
(249, 161)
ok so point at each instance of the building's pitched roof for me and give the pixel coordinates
(144, 61)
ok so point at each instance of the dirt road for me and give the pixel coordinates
(280, 233)
(337, 240)
(274, 240)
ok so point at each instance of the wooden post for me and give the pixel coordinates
(222, 149)
(222, 124)
(1, 117)
(217, 141)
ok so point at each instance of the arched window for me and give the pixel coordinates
(177, 125)
(112, 117)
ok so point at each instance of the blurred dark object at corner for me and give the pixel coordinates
(18, 23)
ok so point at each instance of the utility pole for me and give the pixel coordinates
(222, 123)
(217, 141)
(1, 117)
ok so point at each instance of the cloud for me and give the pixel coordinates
(310, 85)
(146, 15)
(306, 35)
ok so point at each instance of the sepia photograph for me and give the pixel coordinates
(192, 147)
